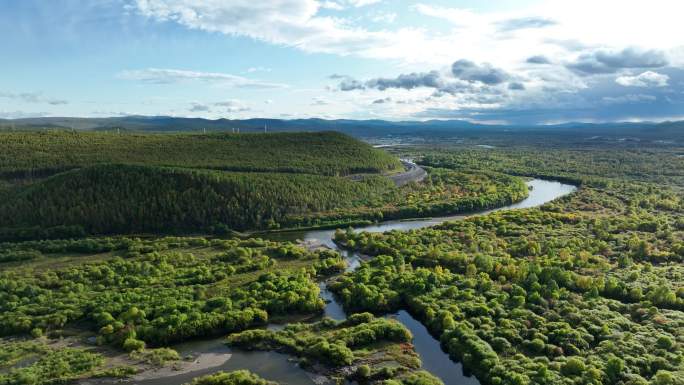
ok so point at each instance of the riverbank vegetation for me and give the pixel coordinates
(37, 362)
(238, 377)
(443, 192)
(587, 289)
(361, 348)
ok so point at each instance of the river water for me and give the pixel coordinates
(277, 367)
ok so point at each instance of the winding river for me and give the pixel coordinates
(278, 367)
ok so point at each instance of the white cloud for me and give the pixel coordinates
(545, 52)
(199, 107)
(293, 23)
(318, 101)
(457, 16)
(33, 97)
(602, 61)
(258, 69)
(22, 114)
(169, 76)
(332, 5)
(363, 3)
(504, 39)
(218, 108)
(232, 106)
(559, 29)
(645, 79)
(629, 98)
(343, 4)
(384, 17)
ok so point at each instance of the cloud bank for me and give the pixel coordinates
(169, 76)
(33, 97)
(227, 106)
(645, 79)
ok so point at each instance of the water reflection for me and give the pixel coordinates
(434, 359)
(268, 365)
(541, 191)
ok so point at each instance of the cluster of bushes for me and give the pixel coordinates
(156, 357)
(331, 343)
(376, 348)
(238, 377)
(125, 246)
(160, 297)
(45, 364)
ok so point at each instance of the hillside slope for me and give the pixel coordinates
(64, 184)
(27, 154)
(129, 199)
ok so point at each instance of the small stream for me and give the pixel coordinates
(277, 367)
(434, 359)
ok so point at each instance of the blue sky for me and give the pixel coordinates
(502, 61)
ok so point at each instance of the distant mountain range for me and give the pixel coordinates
(359, 128)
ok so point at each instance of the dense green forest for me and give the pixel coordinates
(648, 164)
(130, 199)
(38, 154)
(125, 199)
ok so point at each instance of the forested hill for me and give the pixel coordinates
(129, 198)
(65, 184)
(27, 154)
(125, 199)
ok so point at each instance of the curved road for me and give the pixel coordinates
(413, 173)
